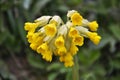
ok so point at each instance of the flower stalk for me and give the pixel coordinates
(75, 70)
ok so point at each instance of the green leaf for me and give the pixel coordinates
(63, 8)
(99, 70)
(69, 76)
(3, 36)
(112, 45)
(11, 21)
(2, 28)
(54, 66)
(3, 69)
(64, 69)
(35, 61)
(20, 26)
(52, 76)
(115, 63)
(82, 57)
(10, 41)
(38, 6)
(88, 57)
(94, 56)
(89, 76)
(115, 29)
(117, 77)
(117, 55)
(26, 4)
(74, 2)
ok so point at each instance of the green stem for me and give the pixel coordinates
(75, 70)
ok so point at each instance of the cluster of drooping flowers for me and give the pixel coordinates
(49, 35)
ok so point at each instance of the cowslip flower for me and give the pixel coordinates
(49, 35)
(76, 18)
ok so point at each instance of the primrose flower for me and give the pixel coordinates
(49, 35)
(76, 19)
(93, 25)
(50, 29)
(73, 32)
(59, 42)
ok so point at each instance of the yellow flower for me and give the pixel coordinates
(33, 46)
(78, 40)
(96, 40)
(50, 29)
(57, 20)
(43, 20)
(29, 36)
(30, 26)
(35, 36)
(47, 56)
(93, 25)
(39, 40)
(94, 37)
(61, 51)
(76, 19)
(73, 49)
(69, 24)
(48, 35)
(67, 59)
(61, 58)
(69, 63)
(32, 36)
(42, 48)
(53, 22)
(73, 32)
(62, 31)
(59, 42)
(71, 12)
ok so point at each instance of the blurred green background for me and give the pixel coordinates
(19, 62)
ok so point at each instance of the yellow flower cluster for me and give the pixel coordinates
(49, 35)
